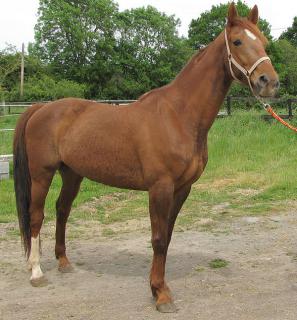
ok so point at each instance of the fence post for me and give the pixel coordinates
(229, 102)
(290, 111)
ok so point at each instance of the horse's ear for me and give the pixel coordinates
(232, 13)
(254, 15)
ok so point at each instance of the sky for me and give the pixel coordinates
(18, 17)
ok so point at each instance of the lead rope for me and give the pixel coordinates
(248, 74)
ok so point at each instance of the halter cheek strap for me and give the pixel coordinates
(247, 73)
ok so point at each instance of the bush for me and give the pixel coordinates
(47, 88)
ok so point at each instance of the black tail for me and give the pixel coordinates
(22, 178)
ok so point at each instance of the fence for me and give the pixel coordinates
(285, 103)
(230, 103)
(13, 108)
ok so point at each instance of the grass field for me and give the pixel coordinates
(251, 171)
(6, 137)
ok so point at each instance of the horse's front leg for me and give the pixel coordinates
(160, 204)
(180, 197)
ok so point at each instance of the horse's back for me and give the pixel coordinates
(56, 118)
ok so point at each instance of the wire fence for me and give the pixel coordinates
(231, 103)
(15, 108)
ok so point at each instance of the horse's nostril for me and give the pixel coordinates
(263, 79)
(277, 84)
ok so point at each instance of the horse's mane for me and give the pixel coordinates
(199, 54)
(195, 59)
(149, 93)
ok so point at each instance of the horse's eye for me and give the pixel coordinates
(237, 43)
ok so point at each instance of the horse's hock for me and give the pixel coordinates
(4, 170)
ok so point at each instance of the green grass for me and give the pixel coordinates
(107, 232)
(251, 171)
(245, 153)
(7, 137)
(88, 191)
(115, 206)
(256, 153)
(8, 122)
(218, 263)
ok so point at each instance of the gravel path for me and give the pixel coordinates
(110, 280)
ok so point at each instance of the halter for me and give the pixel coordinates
(247, 73)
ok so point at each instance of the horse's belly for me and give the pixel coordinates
(119, 177)
(108, 168)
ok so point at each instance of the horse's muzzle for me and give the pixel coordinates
(266, 87)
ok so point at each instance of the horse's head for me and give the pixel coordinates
(248, 60)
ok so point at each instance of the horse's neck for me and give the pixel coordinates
(202, 86)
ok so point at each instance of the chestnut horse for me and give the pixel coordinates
(158, 144)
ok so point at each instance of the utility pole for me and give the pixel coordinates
(22, 71)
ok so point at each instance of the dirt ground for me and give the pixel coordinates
(110, 280)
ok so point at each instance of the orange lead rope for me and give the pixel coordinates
(269, 109)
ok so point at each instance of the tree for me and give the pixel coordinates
(210, 24)
(291, 33)
(286, 65)
(70, 33)
(9, 65)
(38, 84)
(149, 52)
(116, 54)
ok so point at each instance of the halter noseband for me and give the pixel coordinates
(247, 73)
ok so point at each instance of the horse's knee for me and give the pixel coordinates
(36, 220)
(159, 244)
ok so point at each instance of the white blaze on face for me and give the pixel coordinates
(250, 34)
(34, 259)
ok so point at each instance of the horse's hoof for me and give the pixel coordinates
(66, 269)
(167, 307)
(39, 282)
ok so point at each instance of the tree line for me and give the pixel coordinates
(88, 48)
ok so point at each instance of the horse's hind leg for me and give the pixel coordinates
(70, 188)
(39, 190)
